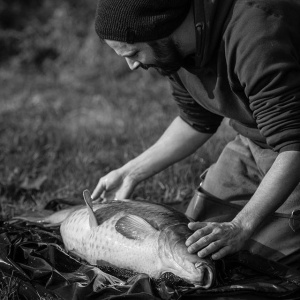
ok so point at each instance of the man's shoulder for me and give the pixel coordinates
(265, 8)
(251, 19)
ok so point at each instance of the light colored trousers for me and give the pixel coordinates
(231, 182)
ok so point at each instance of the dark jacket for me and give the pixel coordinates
(250, 72)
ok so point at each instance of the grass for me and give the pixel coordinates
(8, 287)
(63, 129)
(67, 124)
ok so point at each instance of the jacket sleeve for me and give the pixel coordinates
(263, 49)
(191, 111)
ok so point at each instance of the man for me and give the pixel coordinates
(236, 59)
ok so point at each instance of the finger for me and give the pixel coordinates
(100, 188)
(108, 195)
(97, 200)
(198, 235)
(196, 225)
(210, 249)
(222, 253)
(123, 193)
(201, 243)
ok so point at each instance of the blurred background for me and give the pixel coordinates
(71, 110)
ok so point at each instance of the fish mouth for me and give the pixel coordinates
(207, 276)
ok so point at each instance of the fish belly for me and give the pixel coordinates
(105, 243)
(74, 231)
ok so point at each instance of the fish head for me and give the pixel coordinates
(176, 259)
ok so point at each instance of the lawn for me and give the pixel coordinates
(71, 111)
(69, 123)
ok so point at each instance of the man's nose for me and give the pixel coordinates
(133, 64)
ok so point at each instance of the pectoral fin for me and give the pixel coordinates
(134, 227)
(88, 201)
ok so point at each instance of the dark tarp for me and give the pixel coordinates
(34, 265)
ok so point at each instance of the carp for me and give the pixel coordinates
(141, 236)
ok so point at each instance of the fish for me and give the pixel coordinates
(140, 236)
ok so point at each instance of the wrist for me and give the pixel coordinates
(246, 225)
(130, 173)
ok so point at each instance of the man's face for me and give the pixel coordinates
(163, 55)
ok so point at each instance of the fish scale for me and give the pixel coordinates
(137, 235)
(106, 243)
(125, 253)
(74, 235)
(158, 215)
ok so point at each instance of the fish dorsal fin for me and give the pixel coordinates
(134, 227)
(88, 201)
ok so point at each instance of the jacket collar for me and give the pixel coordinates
(210, 19)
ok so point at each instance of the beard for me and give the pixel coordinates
(167, 57)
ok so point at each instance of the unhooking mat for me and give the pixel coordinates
(34, 265)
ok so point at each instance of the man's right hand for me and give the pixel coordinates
(114, 185)
(178, 141)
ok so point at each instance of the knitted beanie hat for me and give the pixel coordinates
(133, 21)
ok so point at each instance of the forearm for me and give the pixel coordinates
(178, 141)
(221, 239)
(274, 189)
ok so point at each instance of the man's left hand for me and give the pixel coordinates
(218, 239)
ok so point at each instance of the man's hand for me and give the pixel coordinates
(221, 239)
(218, 239)
(114, 185)
(178, 141)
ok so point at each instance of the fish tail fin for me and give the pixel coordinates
(54, 219)
(103, 280)
(38, 220)
(89, 204)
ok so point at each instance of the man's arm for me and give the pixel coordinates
(178, 141)
(221, 239)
